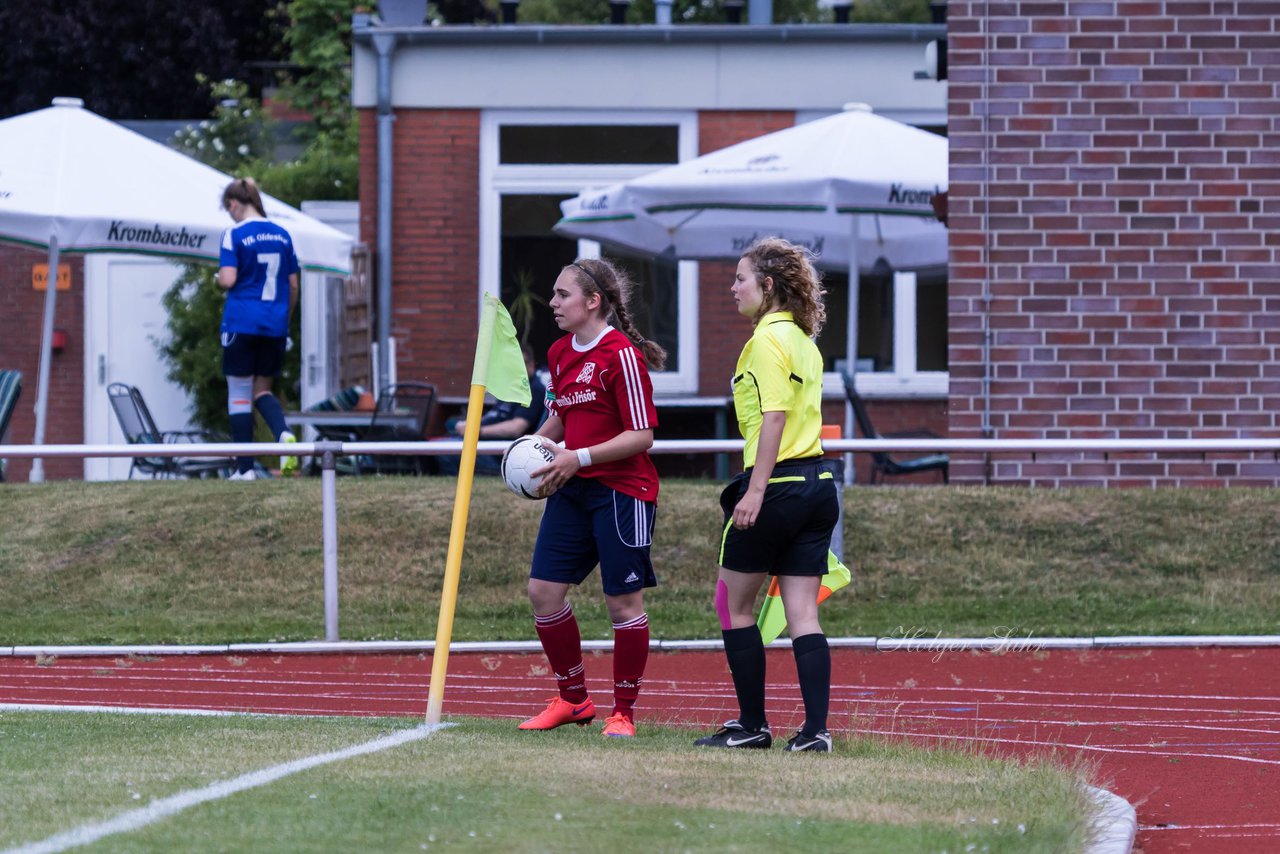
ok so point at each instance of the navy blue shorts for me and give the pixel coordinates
(792, 534)
(587, 523)
(245, 355)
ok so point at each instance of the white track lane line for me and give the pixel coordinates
(216, 674)
(486, 682)
(127, 710)
(165, 807)
(356, 682)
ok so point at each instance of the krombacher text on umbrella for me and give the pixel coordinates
(121, 233)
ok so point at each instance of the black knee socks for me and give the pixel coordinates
(813, 665)
(745, 651)
(272, 413)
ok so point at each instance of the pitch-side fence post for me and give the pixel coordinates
(329, 453)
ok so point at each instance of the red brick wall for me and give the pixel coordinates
(1115, 191)
(435, 240)
(21, 320)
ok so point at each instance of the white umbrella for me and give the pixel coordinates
(854, 188)
(817, 184)
(73, 181)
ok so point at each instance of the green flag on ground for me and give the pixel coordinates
(499, 363)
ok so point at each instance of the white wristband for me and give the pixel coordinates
(584, 457)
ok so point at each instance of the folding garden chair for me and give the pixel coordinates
(140, 429)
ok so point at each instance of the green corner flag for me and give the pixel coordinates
(500, 365)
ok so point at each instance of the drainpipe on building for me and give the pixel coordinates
(662, 12)
(385, 45)
(988, 431)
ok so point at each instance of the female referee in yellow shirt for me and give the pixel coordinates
(780, 512)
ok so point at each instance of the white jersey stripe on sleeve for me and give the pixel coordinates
(635, 389)
(624, 361)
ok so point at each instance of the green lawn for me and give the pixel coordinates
(484, 786)
(216, 562)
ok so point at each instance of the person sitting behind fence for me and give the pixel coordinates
(502, 421)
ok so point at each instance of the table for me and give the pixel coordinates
(356, 419)
(346, 426)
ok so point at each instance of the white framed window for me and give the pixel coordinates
(530, 161)
(902, 334)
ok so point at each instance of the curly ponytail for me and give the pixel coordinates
(797, 285)
(595, 276)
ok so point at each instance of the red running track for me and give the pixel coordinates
(1190, 737)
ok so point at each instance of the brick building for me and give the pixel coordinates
(493, 127)
(21, 317)
(1115, 228)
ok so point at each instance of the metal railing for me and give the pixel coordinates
(329, 452)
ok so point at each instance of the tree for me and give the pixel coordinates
(319, 84)
(682, 12)
(237, 139)
(132, 59)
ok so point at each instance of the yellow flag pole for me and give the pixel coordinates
(461, 507)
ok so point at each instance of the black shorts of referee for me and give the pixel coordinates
(792, 534)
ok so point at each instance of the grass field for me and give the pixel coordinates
(206, 562)
(482, 785)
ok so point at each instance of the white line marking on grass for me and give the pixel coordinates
(174, 804)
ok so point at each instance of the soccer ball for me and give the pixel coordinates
(524, 455)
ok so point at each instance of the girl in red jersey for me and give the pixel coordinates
(602, 490)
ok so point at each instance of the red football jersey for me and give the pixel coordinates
(599, 392)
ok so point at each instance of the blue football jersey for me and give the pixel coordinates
(262, 253)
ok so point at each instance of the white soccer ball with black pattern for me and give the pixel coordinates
(522, 457)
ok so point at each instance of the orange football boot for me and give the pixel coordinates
(619, 726)
(560, 712)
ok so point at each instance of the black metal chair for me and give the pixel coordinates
(402, 415)
(140, 429)
(883, 465)
(10, 391)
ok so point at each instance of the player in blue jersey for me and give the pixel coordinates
(259, 271)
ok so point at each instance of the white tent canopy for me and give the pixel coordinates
(816, 184)
(72, 181)
(95, 186)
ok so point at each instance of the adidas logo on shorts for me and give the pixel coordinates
(631, 579)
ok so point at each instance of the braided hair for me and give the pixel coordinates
(797, 286)
(596, 276)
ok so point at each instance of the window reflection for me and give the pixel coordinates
(533, 256)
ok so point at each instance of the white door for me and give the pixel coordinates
(123, 314)
(321, 306)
